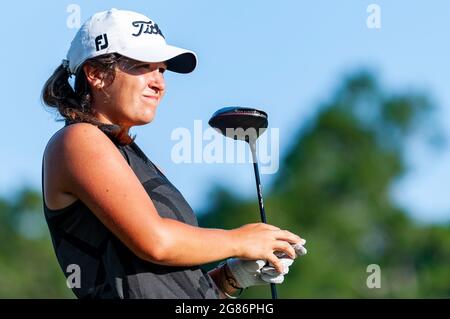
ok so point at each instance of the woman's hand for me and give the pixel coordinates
(247, 273)
(261, 241)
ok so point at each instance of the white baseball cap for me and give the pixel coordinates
(130, 34)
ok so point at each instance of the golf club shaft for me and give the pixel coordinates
(261, 201)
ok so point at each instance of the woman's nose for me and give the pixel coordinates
(157, 80)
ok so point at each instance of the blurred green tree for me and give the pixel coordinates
(333, 189)
(28, 265)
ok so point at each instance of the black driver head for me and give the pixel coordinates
(239, 123)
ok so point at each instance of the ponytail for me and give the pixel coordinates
(57, 91)
(75, 105)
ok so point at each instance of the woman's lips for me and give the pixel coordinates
(150, 97)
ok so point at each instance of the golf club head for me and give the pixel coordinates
(239, 123)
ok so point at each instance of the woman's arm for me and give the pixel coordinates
(89, 166)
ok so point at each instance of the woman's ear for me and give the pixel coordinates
(93, 76)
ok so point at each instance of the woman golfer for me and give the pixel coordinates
(115, 220)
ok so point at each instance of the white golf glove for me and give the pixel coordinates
(255, 272)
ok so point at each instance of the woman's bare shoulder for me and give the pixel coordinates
(76, 144)
(73, 135)
(62, 158)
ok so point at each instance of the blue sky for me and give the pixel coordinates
(284, 57)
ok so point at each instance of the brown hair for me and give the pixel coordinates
(74, 105)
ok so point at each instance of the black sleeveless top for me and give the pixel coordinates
(107, 268)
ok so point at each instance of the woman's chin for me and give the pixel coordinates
(147, 117)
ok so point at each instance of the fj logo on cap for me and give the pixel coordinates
(101, 42)
(146, 27)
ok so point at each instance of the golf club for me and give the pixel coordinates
(246, 124)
